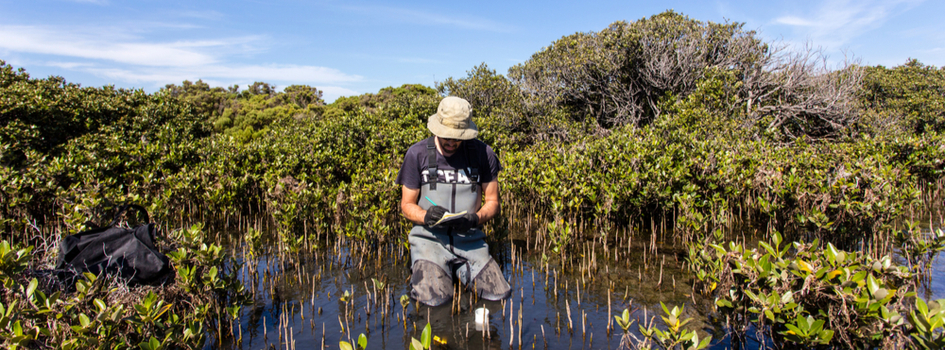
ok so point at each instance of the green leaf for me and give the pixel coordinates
(343, 345)
(935, 306)
(90, 276)
(804, 323)
(426, 337)
(362, 341)
(665, 308)
(415, 344)
(817, 326)
(718, 249)
(871, 284)
(776, 239)
(705, 342)
(31, 288)
(768, 248)
(721, 302)
(794, 329)
(831, 253)
(841, 257)
(99, 304)
(826, 336)
(155, 344)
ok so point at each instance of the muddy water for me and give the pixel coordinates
(301, 303)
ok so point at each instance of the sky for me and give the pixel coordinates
(352, 47)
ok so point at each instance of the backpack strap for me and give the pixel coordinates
(431, 162)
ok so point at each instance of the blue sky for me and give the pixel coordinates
(353, 47)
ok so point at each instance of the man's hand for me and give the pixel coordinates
(465, 223)
(434, 214)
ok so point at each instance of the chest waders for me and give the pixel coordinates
(459, 255)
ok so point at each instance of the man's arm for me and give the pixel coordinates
(409, 206)
(491, 206)
(413, 212)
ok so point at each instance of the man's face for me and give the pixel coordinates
(449, 146)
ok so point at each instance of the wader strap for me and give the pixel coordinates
(431, 162)
(472, 163)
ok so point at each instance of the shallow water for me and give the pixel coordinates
(299, 301)
(935, 288)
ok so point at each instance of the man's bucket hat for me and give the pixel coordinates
(453, 120)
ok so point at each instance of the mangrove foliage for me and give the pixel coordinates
(683, 132)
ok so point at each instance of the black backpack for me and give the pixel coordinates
(127, 253)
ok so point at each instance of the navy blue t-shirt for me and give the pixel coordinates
(452, 169)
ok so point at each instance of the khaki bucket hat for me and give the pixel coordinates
(453, 120)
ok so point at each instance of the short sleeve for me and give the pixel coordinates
(409, 174)
(494, 165)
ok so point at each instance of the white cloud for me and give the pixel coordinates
(69, 65)
(148, 62)
(114, 54)
(427, 18)
(150, 25)
(208, 15)
(267, 73)
(330, 93)
(284, 73)
(932, 56)
(418, 60)
(94, 2)
(44, 40)
(836, 22)
(795, 21)
(224, 76)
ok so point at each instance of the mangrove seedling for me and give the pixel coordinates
(362, 343)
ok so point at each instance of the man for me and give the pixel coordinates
(451, 173)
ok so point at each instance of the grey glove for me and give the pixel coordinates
(434, 214)
(468, 221)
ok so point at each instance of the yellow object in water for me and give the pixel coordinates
(439, 340)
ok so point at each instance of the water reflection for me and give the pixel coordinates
(934, 288)
(346, 289)
(302, 304)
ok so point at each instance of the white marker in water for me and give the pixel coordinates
(482, 318)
